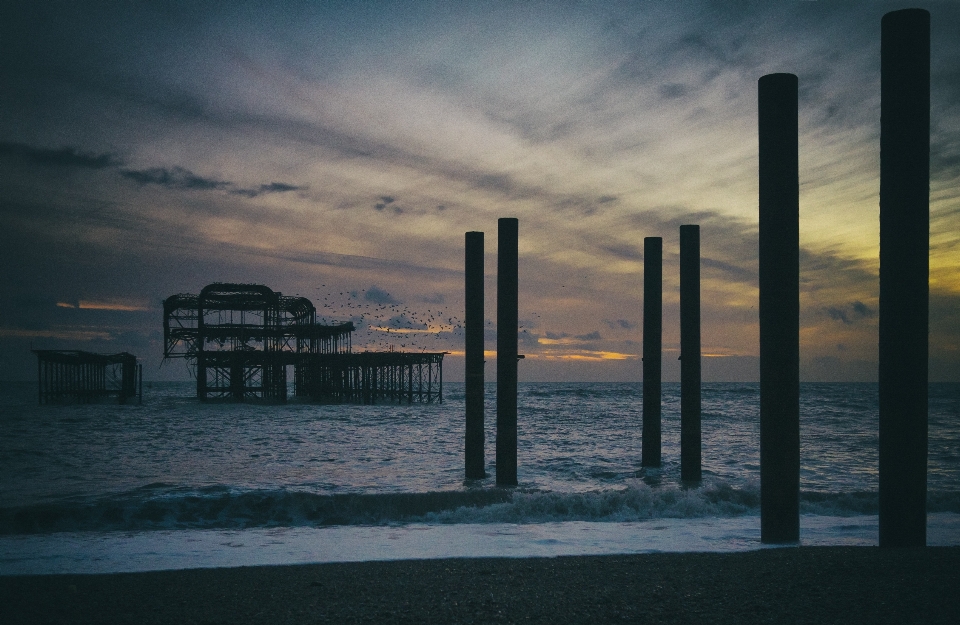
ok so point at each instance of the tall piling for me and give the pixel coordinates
(904, 275)
(779, 310)
(690, 434)
(652, 349)
(507, 356)
(473, 320)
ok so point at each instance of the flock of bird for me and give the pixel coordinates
(383, 324)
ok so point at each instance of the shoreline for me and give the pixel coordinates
(797, 585)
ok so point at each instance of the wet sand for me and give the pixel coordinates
(789, 585)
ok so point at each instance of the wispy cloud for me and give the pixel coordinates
(60, 157)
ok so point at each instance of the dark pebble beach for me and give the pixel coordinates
(788, 585)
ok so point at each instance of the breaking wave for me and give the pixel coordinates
(161, 507)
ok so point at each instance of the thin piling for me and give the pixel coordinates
(652, 349)
(690, 447)
(904, 275)
(779, 310)
(473, 320)
(507, 356)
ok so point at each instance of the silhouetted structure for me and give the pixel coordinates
(71, 375)
(904, 274)
(690, 447)
(652, 348)
(473, 320)
(507, 356)
(242, 338)
(779, 310)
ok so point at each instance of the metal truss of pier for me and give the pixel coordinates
(242, 338)
(76, 376)
(373, 378)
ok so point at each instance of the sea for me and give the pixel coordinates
(174, 483)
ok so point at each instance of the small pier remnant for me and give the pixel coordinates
(779, 309)
(652, 349)
(904, 275)
(78, 376)
(690, 434)
(507, 356)
(473, 374)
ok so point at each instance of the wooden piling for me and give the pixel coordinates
(779, 310)
(507, 335)
(473, 320)
(690, 447)
(652, 348)
(904, 275)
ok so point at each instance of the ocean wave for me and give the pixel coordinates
(157, 507)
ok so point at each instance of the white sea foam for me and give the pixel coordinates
(112, 552)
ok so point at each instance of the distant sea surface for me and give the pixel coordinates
(174, 483)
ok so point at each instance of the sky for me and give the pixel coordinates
(340, 150)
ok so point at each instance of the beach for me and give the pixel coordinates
(784, 585)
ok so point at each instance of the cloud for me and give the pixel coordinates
(61, 157)
(181, 178)
(672, 91)
(273, 187)
(620, 324)
(403, 322)
(379, 296)
(173, 178)
(740, 274)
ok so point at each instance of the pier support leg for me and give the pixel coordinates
(473, 320)
(904, 274)
(779, 310)
(690, 448)
(652, 348)
(201, 376)
(507, 322)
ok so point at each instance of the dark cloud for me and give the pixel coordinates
(500, 183)
(862, 310)
(528, 339)
(591, 336)
(61, 157)
(672, 91)
(379, 296)
(385, 201)
(403, 322)
(183, 179)
(620, 324)
(850, 313)
(174, 178)
(273, 187)
(555, 336)
(740, 274)
(624, 251)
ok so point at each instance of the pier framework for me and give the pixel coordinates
(242, 338)
(73, 375)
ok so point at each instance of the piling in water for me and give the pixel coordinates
(507, 322)
(652, 348)
(473, 320)
(779, 310)
(904, 274)
(690, 461)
